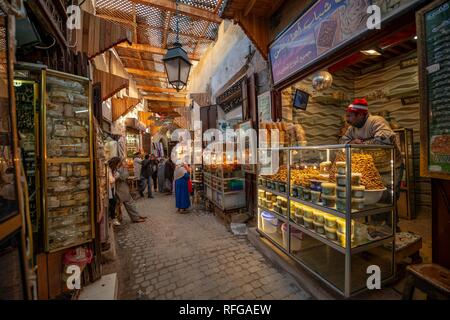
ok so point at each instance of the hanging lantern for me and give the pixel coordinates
(176, 63)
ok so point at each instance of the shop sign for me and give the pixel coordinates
(434, 44)
(325, 27)
(264, 107)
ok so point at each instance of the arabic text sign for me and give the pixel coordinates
(327, 25)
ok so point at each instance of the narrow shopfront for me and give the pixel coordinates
(329, 210)
(320, 64)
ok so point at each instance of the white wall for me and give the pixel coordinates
(223, 60)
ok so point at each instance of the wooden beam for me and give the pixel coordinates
(146, 73)
(164, 30)
(249, 7)
(118, 20)
(158, 89)
(151, 49)
(166, 99)
(141, 60)
(135, 23)
(184, 9)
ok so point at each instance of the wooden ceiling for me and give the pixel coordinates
(154, 30)
(254, 18)
(398, 43)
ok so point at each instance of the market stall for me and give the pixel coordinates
(329, 208)
(224, 181)
(319, 70)
(56, 140)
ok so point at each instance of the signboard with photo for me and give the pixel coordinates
(325, 27)
(434, 59)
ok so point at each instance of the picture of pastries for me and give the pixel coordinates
(353, 16)
(327, 33)
(441, 144)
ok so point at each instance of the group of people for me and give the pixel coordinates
(160, 174)
(152, 171)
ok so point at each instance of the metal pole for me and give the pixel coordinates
(348, 223)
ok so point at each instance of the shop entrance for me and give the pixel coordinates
(386, 74)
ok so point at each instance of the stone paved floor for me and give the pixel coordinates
(193, 256)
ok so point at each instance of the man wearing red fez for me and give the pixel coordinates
(367, 129)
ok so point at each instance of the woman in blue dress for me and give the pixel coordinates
(182, 199)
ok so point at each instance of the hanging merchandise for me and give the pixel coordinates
(161, 150)
(322, 80)
(122, 147)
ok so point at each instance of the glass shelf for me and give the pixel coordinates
(320, 171)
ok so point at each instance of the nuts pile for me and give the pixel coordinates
(302, 177)
(364, 164)
(281, 175)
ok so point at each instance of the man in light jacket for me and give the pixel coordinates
(137, 167)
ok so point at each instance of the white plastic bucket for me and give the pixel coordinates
(269, 222)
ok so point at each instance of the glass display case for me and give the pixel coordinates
(54, 123)
(406, 200)
(27, 104)
(331, 208)
(132, 144)
(68, 166)
(224, 183)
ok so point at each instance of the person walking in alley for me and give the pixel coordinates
(168, 174)
(154, 164)
(161, 176)
(112, 206)
(146, 173)
(182, 198)
(120, 175)
(137, 166)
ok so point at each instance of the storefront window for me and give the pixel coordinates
(8, 195)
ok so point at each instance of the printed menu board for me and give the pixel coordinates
(435, 82)
(326, 26)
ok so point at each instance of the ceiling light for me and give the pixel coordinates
(415, 38)
(371, 52)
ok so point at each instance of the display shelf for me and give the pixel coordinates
(318, 207)
(278, 215)
(322, 238)
(284, 195)
(217, 177)
(372, 210)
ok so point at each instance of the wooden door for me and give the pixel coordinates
(440, 191)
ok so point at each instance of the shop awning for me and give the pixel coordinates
(99, 35)
(111, 84)
(135, 124)
(120, 107)
(202, 99)
(144, 117)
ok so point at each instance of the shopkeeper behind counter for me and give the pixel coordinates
(367, 129)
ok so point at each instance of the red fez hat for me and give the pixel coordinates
(359, 105)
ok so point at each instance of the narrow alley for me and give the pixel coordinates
(192, 256)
